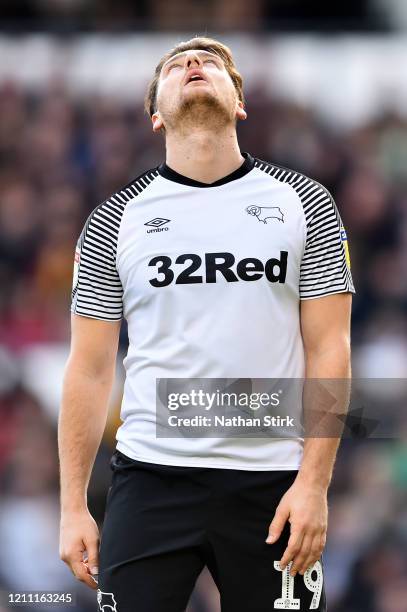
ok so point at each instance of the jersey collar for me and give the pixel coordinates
(172, 175)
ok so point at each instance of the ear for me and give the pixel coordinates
(240, 111)
(157, 122)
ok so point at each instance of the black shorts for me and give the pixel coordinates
(163, 524)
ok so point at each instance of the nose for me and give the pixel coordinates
(193, 61)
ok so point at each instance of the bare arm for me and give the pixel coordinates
(326, 335)
(87, 385)
(325, 327)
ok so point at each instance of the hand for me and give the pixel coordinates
(306, 508)
(79, 533)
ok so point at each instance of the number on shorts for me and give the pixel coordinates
(315, 586)
(287, 601)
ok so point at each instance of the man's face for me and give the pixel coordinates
(195, 87)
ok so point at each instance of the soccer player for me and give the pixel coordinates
(225, 267)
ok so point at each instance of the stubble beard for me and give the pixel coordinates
(202, 111)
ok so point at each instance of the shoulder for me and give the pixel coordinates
(313, 195)
(134, 188)
(107, 215)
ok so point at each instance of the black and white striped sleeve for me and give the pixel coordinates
(325, 266)
(97, 291)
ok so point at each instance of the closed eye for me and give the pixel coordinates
(171, 66)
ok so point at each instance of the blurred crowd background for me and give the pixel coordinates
(258, 15)
(62, 154)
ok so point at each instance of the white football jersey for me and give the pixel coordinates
(209, 279)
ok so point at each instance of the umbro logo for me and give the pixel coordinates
(156, 223)
(262, 213)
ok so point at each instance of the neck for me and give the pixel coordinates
(204, 156)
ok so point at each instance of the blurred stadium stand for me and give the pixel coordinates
(67, 142)
(257, 15)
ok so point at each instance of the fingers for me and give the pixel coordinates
(277, 524)
(73, 557)
(302, 554)
(293, 547)
(80, 572)
(315, 552)
(309, 552)
(92, 561)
